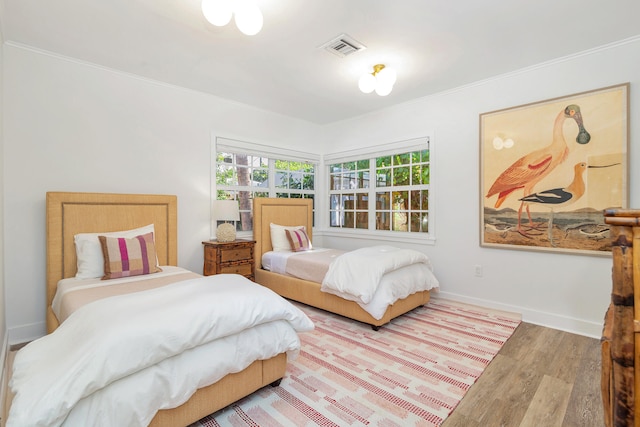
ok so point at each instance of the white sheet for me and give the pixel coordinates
(99, 345)
(72, 284)
(276, 261)
(356, 275)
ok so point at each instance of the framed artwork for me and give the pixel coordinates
(549, 169)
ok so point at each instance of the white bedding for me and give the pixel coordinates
(356, 275)
(387, 289)
(149, 350)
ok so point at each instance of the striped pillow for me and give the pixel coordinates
(298, 240)
(125, 257)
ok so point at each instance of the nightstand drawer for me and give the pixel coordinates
(243, 269)
(234, 257)
(237, 254)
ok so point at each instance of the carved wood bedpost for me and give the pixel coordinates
(620, 348)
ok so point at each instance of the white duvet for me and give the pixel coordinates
(116, 361)
(379, 273)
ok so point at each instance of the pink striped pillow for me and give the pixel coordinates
(125, 257)
(298, 240)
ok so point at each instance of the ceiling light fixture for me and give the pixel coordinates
(381, 80)
(247, 14)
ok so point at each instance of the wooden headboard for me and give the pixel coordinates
(288, 212)
(71, 213)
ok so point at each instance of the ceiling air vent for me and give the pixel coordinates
(343, 45)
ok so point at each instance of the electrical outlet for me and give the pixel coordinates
(478, 270)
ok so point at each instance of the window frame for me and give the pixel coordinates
(371, 153)
(272, 154)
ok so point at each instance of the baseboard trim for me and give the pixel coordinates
(26, 333)
(549, 320)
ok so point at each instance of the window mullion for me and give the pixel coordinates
(373, 202)
(272, 177)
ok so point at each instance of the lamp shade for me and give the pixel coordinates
(227, 210)
(383, 90)
(367, 83)
(248, 17)
(247, 14)
(218, 12)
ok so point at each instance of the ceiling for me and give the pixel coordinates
(434, 45)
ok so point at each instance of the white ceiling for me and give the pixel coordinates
(435, 45)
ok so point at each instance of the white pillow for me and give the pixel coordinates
(279, 240)
(89, 251)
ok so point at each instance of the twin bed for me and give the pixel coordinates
(62, 378)
(299, 212)
(35, 366)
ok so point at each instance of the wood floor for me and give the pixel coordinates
(540, 378)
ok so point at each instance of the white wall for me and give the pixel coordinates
(3, 321)
(568, 292)
(70, 126)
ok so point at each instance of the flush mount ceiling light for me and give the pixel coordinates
(247, 15)
(381, 80)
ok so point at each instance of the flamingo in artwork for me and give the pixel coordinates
(561, 196)
(531, 168)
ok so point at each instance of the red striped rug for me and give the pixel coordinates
(413, 371)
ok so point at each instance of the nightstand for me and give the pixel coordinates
(229, 257)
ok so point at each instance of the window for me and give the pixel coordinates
(349, 194)
(266, 172)
(384, 191)
(294, 179)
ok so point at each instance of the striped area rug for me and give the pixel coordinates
(412, 372)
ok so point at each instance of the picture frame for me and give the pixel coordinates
(548, 170)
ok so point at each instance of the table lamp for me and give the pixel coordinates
(226, 210)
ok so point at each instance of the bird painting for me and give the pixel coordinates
(531, 168)
(561, 196)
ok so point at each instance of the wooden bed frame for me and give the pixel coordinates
(620, 343)
(72, 213)
(292, 212)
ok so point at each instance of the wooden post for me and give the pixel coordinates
(619, 346)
